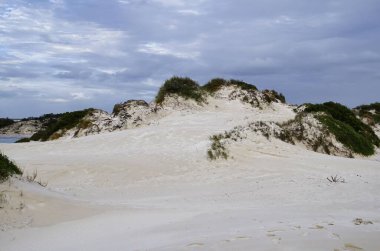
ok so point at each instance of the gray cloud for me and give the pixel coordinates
(58, 55)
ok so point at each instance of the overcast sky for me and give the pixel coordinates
(61, 55)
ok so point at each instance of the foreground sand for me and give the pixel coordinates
(152, 188)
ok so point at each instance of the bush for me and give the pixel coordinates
(218, 149)
(217, 83)
(243, 85)
(7, 168)
(5, 122)
(184, 87)
(214, 85)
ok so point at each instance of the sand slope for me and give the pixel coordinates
(152, 188)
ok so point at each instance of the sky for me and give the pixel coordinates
(64, 55)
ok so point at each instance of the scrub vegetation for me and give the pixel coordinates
(7, 168)
(57, 124)
(217, 83)
(5, 122)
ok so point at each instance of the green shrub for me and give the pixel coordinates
(243, 85)
(214, 85)
(217, 83)
(7, 168)
(217, 149)
(64, 122)
(5, 122)
(184, 87)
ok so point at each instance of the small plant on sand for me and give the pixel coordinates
(31, 177)
(336, 179)
(360, 221)
(217, 149)
(3, 198)
(7, 168)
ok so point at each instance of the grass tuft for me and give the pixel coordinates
(217, 149)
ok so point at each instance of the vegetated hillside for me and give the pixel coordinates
(346, 127)
(189, 89)
(332, 128)
(7, 168)
(176, 94)
(329, 128)
(5, 122)
(54, 125)
(27, 126)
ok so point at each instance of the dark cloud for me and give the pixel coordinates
(58, 55)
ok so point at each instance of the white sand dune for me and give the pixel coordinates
(152, 188)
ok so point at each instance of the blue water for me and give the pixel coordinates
(9, 139)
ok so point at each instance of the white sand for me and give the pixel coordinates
(152, 188)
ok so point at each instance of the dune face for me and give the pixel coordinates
(151, 186)
(22, 128)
